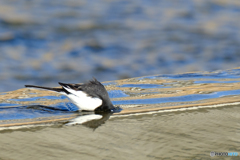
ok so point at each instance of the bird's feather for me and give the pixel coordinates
(60, 90)
(89, 96)
(84, 101)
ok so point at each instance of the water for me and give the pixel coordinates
(165, 116)
(149, 93)
(181, 116)
(174, 135)
(43, 42)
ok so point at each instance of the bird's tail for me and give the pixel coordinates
(46, 88)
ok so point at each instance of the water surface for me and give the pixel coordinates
(43, 42)
(182, 116)
(172, 135)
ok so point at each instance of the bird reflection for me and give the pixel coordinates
(90, 120)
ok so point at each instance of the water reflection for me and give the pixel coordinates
(134, 95)
(45, 108)
(189, 134)
(90, 120)
(146, 128)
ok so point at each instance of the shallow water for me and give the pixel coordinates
(184, 116)
(171, 135)
(144, 93)
(43, 42)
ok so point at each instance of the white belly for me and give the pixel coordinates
(84, 102)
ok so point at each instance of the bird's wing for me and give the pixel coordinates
(83, 100)
(75, 87)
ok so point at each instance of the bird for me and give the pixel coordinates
(90, 96)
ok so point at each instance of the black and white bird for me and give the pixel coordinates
(90, 96)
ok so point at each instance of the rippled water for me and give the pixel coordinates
(43, 42)
(150, 92)
(182, 116)
(174, 135)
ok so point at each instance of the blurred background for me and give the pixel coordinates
(43, 42)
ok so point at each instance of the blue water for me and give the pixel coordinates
(44, 42)
(186, 98)
(143, 86)
(40, 98)
(225, 74)
(23, 113)
(13, 109)
(207, 82)
(117, 94)
(7, 104)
